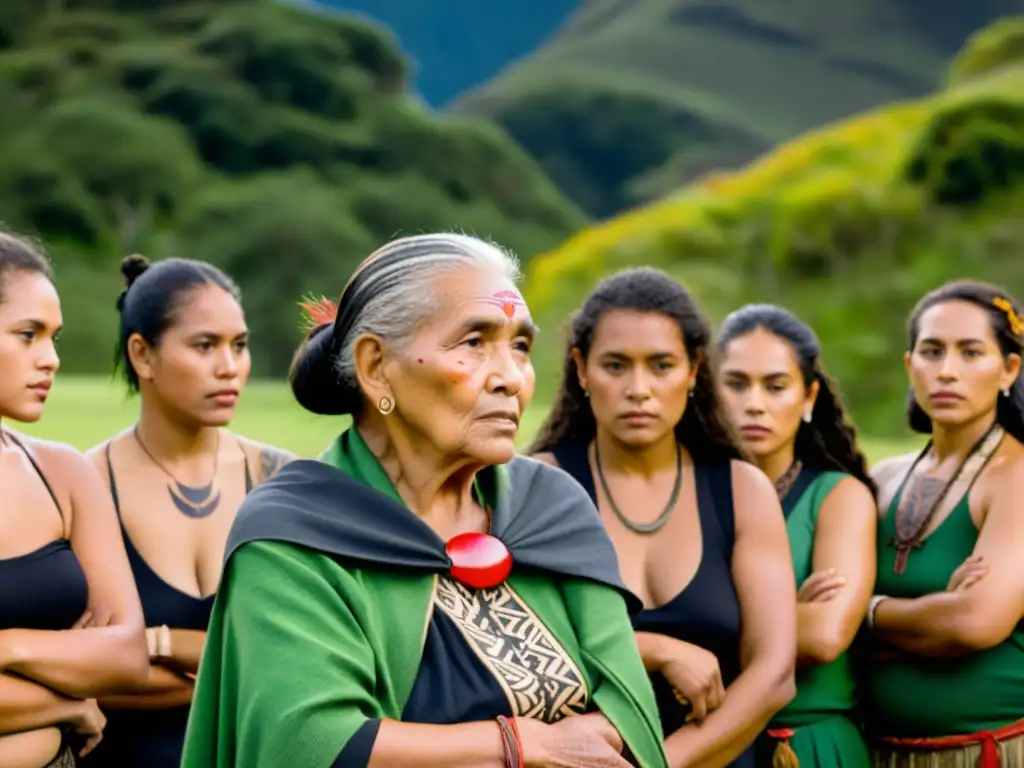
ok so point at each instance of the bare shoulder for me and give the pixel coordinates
(52, 454)
(266, 459)
(849, 494)
(885, 471)
(749, 482)
(1004, 476)
(71, 474)
(544, 458)
(97, 455)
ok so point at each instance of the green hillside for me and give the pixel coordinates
(277, 142)
(631, 98)
(848, 225)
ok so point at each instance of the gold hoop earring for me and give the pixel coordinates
(386, 405)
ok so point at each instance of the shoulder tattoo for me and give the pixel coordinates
(271, 461)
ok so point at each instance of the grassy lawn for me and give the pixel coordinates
(86, 411)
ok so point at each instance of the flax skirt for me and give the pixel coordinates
(1011, 754)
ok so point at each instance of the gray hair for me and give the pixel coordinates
(403, 295)
(395, 296)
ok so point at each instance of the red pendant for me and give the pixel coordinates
(479, 560)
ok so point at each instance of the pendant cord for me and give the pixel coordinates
(659, 522)
(142, 445)
(904, 544)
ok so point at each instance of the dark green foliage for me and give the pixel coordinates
(274, 141)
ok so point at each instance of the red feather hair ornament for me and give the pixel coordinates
(317, 311)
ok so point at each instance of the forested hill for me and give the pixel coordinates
(275, 141)
(456, 45)
(634, 97)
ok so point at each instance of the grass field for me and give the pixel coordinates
(86, 411)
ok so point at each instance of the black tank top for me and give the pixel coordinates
(44, 589)
(151, 737)
(706, 612)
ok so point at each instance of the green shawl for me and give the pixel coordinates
(327, 592)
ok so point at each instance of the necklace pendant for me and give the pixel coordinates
(194, 502)
(478, 560)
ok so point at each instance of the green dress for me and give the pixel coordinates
(918, 696)
(825, 735)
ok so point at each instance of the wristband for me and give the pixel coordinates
(873, 607)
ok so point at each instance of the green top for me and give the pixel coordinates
(918, 696)
(822, 689)
(302, 647)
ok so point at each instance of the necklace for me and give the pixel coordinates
(915, 511)
(194, 502)
(657, 524)
(785, 483)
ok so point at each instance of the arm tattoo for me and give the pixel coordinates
(271, 461)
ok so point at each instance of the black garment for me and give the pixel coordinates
(151, 738)
(46, 588)
(706, 612)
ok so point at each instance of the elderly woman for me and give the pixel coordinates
(419, 595)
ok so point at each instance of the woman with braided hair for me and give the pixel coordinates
(637, 420)
(945, 687)
(790, 419)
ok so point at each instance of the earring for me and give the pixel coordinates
(690, 394)
(386, 405)
(807, 417)
(586, 393)
(1006, 392)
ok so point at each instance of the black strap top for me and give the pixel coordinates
(706, 612)
(162, 603)
(44, 589)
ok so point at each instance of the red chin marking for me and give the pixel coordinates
(479, 560)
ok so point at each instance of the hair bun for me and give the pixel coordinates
(314, 380)
(132, 267)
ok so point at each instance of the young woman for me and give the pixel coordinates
(61, 558)
(177, 478)
(790, 420)
(946, 686)
(699, 534)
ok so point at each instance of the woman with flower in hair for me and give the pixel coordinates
(790, 419)
(945, 686)
(418, 595)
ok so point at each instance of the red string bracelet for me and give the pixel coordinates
(510, 742)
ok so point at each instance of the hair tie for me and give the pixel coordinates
(318, 313)
(1016, 325)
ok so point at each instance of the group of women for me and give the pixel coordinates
(692, 566)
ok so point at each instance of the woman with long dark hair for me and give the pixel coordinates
(177, 478)
(946, 682)
(61, 558)
(790, 419)
(699, 532)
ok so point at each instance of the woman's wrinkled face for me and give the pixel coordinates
(30, 320)
(463, 382)
(201, 363)
(763, 391)
(956, 367)
(638, 375)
